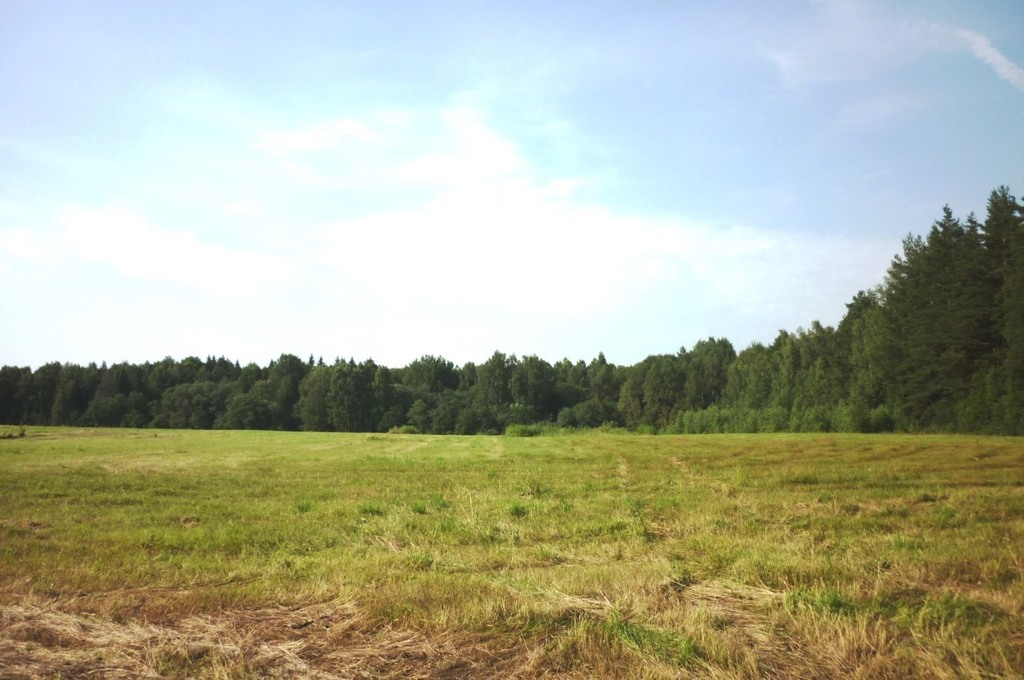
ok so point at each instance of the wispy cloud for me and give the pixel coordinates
(877, 111)
(840, 41)
(120, 239)
(401, 156)
(982, 48)
(850, 40)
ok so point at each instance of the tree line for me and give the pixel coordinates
(938, 346)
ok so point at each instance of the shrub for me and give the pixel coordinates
(567, 418)
(519, 430)
(881, 419)
(611, 427)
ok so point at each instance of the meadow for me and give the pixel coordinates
(128, 553)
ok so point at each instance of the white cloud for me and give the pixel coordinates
(305, 174)
(490, 253)
(474, 154)
(982, 48)
(117, 238)
(463, 245)
(849, 40)
(532, 270)
(395, 149)
(25, 245)
(494, 235)
(243, 209)
(316, 138)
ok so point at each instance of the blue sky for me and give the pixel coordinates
(391, 179)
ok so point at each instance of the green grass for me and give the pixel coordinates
(590, 554)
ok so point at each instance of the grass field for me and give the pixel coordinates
(239, 554)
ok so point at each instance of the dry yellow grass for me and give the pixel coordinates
(220, 554)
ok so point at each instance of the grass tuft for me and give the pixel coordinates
(518, 510)
(663, 645)
(371, 509)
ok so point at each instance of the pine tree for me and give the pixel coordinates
(940, 305)
(872, 360)
(1011, 306)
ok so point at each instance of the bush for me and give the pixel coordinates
(567, 418)
(811, 419)
(881, 420)
(844, 418)
(520, 430)
(773, 419)
(720, 420)
(705, 421)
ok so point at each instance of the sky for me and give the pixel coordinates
(391, 179)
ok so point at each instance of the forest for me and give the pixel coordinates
(938, 346)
